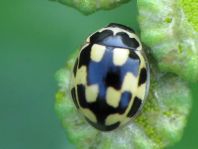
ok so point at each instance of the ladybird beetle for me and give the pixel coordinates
(110, 78)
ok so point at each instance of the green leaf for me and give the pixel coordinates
(90, 6)
(170, 29)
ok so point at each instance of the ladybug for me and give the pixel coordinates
(110, 78)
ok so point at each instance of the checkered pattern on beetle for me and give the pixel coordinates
(110, 79)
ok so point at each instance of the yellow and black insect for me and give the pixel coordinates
(110, 79)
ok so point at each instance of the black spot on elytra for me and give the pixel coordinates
(85, 56)
(81, 96)
(135, 107)
(121, 26)
(73, 94)
(134, 56)
(102, 128)
(105, 73)
(75, 67)
(143, 76)
(100, 108)
(113, 79)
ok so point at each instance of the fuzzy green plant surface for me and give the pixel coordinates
(90, 6)
(170, 29)
(160, 123)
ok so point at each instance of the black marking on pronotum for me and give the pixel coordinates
(135, 107)
(135, 44)
(121, 26)
(100, 108)
(75, 67)
(143, 76)
(99, 37)
(102, 128)
(131, 43)
(120, 40)
(73, 93)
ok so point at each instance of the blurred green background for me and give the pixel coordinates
(36, 37)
